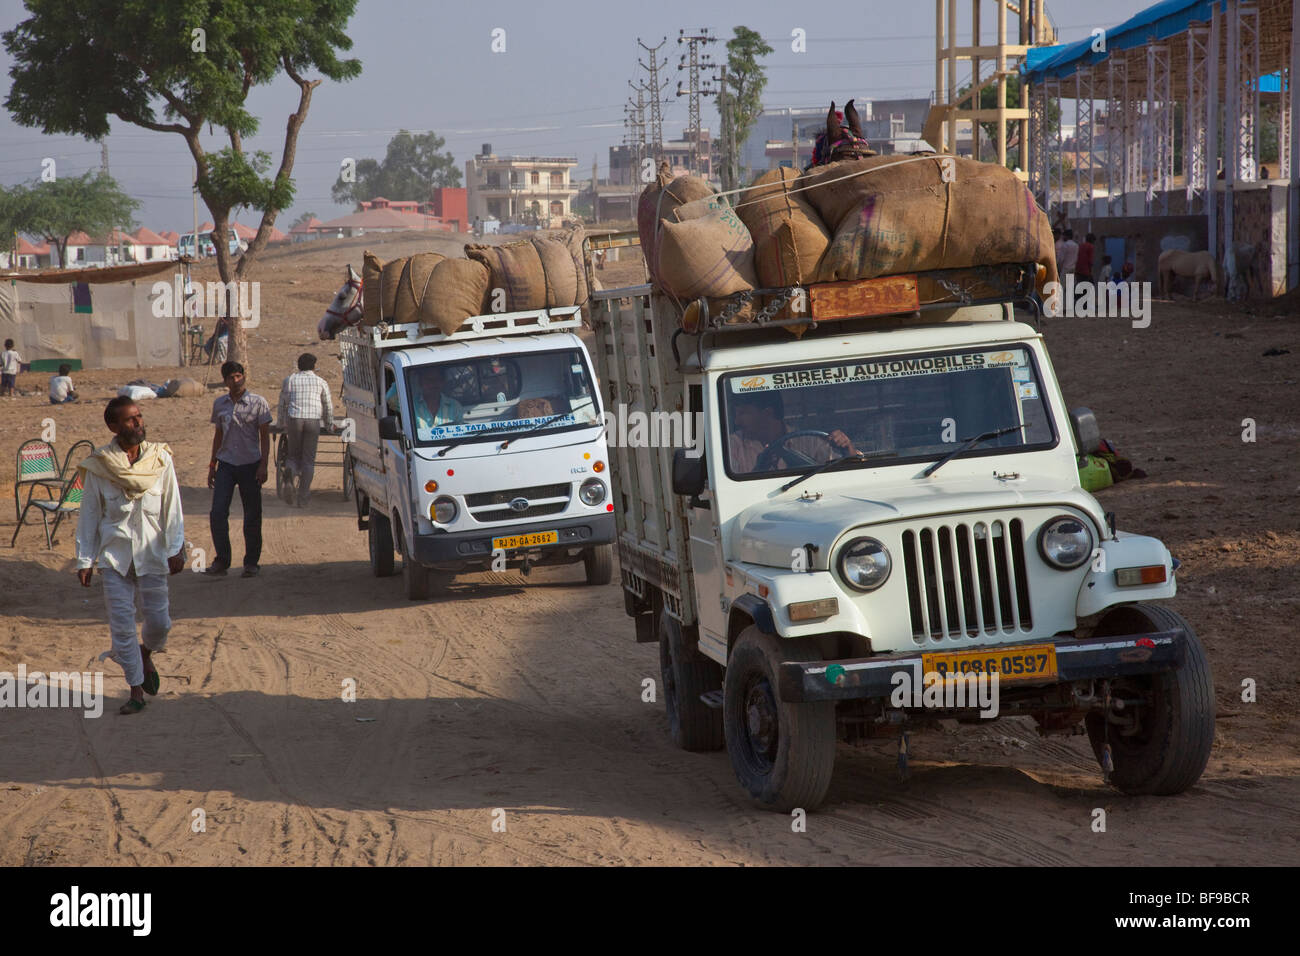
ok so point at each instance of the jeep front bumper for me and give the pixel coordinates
(873, 677)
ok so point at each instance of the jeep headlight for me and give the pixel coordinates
(1065, 543)
(592, 491)
(864, 564)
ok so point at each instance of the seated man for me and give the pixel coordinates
(759, 421)
(432, 408)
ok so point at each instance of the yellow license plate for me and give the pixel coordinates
(510, 542)
(1036, 662)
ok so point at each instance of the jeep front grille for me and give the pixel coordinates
(967, 580)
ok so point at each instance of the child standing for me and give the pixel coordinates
(10, 363)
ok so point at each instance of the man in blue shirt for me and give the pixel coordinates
(432, 408)
(241, 448)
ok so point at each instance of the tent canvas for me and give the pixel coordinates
(119, 331)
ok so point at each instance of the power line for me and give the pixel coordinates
(654, 88)
(692, 63)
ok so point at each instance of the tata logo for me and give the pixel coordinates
(518, 504)
(757, 381)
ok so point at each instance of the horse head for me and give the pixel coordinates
(345, 311)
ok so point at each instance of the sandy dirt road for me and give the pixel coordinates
(525, 695)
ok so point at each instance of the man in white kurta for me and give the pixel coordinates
(131, 528)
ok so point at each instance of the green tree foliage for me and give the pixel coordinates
(988, 100)
(1270, 125)
(91, 203)
(181, 67)
(305, 217)
(412, 169)
(743, 96)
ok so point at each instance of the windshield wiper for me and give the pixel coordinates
(501, 428)
(538, 427)
(967, 446)
(857, 456)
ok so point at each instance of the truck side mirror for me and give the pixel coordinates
(388, 428)
(1087, 434)
(690, 476)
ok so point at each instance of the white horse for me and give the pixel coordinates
(345, 311)
(1198, 266)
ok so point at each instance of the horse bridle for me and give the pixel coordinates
(356, 305)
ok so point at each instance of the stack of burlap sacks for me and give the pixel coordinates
(440, 293)
(854, 219)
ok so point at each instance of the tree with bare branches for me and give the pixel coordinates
(179, 68)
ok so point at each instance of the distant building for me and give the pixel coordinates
(306, 230)
(26, 255)
(115, 249)
(151, 247)
(451, 204)
(381, 218)
(515, 187)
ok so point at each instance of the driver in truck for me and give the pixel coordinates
(432, 407)
(760, 421)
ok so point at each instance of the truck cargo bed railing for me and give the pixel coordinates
(404, 335)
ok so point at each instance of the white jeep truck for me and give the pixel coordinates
(482, 449)
(893, 495)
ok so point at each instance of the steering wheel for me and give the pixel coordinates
(769, 455)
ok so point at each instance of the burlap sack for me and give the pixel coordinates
(389, 279)
(371, 304)
(789, 237)
(711, 255)
(660, 201)
(909, 218)
(559, 271)
(573, 240)
(411, 285)
(517, 269)
(456, 291)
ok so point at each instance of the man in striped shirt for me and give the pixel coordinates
(304, 403)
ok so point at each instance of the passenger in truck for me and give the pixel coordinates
(759, 420)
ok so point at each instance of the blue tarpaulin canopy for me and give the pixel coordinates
(1158, 22)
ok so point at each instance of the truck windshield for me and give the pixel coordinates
(913, 408)
(493, 398)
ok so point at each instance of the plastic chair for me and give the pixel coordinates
(68, 502)
(38, 467)
(72, 459)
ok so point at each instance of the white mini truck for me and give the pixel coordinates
(890, 496)
(479, 450)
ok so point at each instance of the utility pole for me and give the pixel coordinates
(636, 144)
(103, 157)
(654, 88)
(794, 142)
(693, 63)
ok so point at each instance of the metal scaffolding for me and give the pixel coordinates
(1083, 130)
(1196, 120)
(1002, 59)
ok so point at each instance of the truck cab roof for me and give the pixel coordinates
(459, 350)
(897, 340)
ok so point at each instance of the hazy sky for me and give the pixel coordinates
(558, 89)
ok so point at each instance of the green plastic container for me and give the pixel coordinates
(1095, 474)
